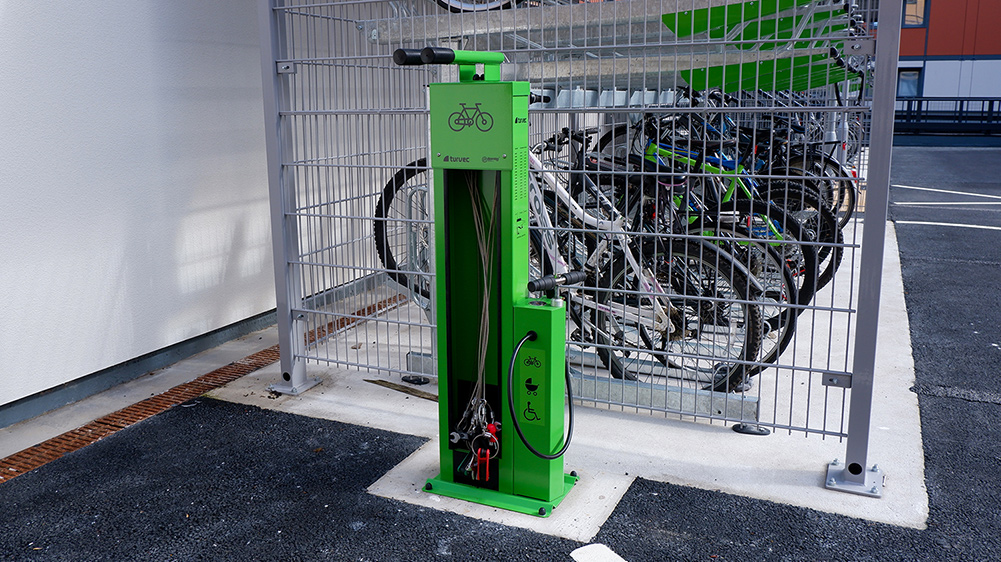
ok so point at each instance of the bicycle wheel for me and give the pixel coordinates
(778, 288)
(617, 142)
(711, 329)
(819, 223)
(403, 229)
(457, 6)
(484, 121)
(833, 182)
(775, 227)
(856, 136)
(623, 139)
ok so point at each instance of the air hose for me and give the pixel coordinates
(531, 336)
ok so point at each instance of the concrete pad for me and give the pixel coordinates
(341, 395)
(613, 445)
(579, 517)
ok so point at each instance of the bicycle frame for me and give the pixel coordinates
(648, 303)
(614, 231)
(738, 182)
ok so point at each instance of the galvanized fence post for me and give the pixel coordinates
(281, 187)
(854, 474)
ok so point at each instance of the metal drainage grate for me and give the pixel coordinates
(50, 450)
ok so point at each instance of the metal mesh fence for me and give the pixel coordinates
(723, 140)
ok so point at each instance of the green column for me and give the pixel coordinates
(479, 154)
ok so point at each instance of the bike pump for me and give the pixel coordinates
(501, 350)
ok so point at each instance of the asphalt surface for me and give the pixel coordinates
(947, 140)
(222, 481)
(215, 480)
(952, 279)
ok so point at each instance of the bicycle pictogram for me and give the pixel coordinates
(532, 361)
(469, 117)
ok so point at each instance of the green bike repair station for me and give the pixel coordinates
(501, 338)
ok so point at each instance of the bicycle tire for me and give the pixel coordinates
(457, 6)
(413, 272)
(705, 287)
(806, 206)
(856, 136)
(840, 193)
(762, 218)
(778, 289)
(616, 141)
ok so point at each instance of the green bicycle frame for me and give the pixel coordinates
(656, 153)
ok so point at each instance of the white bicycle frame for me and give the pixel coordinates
(614, 231)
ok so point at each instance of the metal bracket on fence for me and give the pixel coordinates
(860, 47)
(842, 380)
(285, 68)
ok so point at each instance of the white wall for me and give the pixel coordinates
(985, 78)
(969, 78)
(133, 182)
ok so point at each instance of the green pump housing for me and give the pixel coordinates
(479, 156)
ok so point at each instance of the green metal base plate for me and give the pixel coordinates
(493, 498)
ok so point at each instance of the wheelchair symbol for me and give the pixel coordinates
(530, 413)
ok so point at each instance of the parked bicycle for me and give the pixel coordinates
(655, 302)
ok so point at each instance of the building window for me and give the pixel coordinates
(908, 82)
(914, 13)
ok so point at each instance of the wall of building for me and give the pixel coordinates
(958, 50)
(134, 182)
(962, 78)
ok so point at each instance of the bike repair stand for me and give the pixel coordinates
(485, 314)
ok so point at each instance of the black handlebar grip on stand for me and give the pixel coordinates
(437, 55)
(550, 282)
(407, 57)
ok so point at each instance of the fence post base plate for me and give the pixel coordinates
(839, 478)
